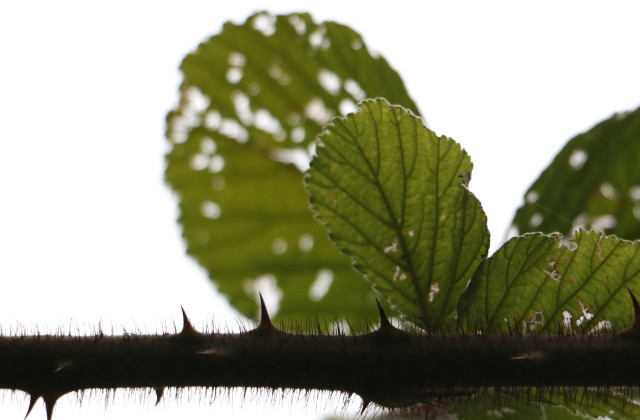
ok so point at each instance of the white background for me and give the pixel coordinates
(87, 227)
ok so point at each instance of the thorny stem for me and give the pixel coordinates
(388, 367)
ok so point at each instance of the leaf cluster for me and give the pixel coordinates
(260, 99)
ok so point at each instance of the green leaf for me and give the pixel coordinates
(593, 183)
(252, 101)
(538, 283)
(390, 193)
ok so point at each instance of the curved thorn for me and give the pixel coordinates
(159, 394)
(385, 324)
(187, 329)
(32, 402)
(635, 328)
(265, 320)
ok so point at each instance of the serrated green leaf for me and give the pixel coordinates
(389, 191)
(593, 183)
(542, 283)
(252, 101)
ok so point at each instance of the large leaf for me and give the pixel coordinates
(540, 283)
(393, 196)
(252, 101)
(593, 183)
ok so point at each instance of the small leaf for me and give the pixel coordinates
(390, 193)
(593, 183)
(538, 283)
(252, 101)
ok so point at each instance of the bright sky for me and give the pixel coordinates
(87, 227)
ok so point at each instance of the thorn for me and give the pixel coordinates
(32, 402)
(49, 403)
(187, 329)
(159, 394)
(385, 324)
(635, 328)
(265, 324)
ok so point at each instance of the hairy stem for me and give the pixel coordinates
(388, 367)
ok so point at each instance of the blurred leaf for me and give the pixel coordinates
(252, 101)
(390, 193)
(593, 183)
(534, 282)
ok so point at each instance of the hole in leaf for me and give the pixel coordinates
(184, 123)
(178, 137)
(396, 273)
(347, 106)
(608, 191)
(267, 122)
(265, 23)
(535, 220)
(578, 158)
(234, 75)
(236, 59)
(356, 44)
(391, 247)
(233, 130)
(636, 211)
(321, 285)
(634, 193)
(298, 24)
(243, 109)
(531, 197)
(298, 134)
(210, 210)
(208, 146)
(329, 81)
(196, 101)
(586, 314)
(212, 120)
(199, 161)
(354, 89)
(604, 222)
(317, 38)
(305, 242)
(433, 290)
(216, 164)
(317, 111)
(298, 156)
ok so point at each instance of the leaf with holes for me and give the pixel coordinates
(593, 183)
(541, 283)
(252, 101)
(394, 197)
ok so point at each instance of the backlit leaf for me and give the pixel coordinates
(593, 183)
(540, 283)
(394, 197)
(252, 101)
